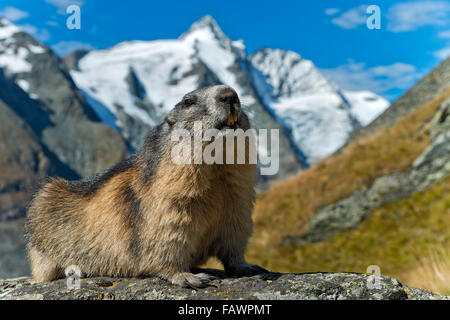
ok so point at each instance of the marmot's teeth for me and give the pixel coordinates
(232, 118)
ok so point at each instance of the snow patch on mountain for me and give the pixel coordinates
(317, 125)
(156, 64)
(219, 53)
(36, 49)
(14, 61)
(303, 100)
(13, 58)
(365, 105)
(7, 29)
(288, 74)
(25, 85)
(215, 49)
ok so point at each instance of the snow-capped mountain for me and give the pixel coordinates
(14, 55)
(161, 71)
(134, 84)
(320, 116)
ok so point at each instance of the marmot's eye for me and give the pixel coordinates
(188, 102)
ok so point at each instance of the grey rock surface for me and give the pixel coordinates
(272, 286)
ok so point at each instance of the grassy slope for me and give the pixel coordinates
(395, 237)
(390, 238)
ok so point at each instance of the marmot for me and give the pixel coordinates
(148, 215)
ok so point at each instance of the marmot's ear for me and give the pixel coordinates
(170, 119)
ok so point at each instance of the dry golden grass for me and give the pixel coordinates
(432, 273)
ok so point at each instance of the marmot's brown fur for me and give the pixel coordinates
(148, 215)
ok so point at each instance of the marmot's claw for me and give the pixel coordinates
(246, 270)
(193, 281)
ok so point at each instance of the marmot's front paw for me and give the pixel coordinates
(190, 280)
(245, 270)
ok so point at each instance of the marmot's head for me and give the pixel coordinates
(217, 107)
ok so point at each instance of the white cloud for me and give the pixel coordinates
(13, 14)
(41, 35)
(444, 34)
(379, 79)
(352, 18)
(443, 53)
(28, 28)
(52, 23)
(409, 16)
(65, 47)
(395, 70)
(331, 11)
(401, 17)
(63, 4)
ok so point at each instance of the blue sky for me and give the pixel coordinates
(414, 35)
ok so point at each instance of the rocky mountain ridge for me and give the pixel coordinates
(47, 125)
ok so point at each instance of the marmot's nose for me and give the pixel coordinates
(229, 97)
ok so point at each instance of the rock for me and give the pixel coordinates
(72, 59)
(272, 286)
(88, 147)
(135, 86)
